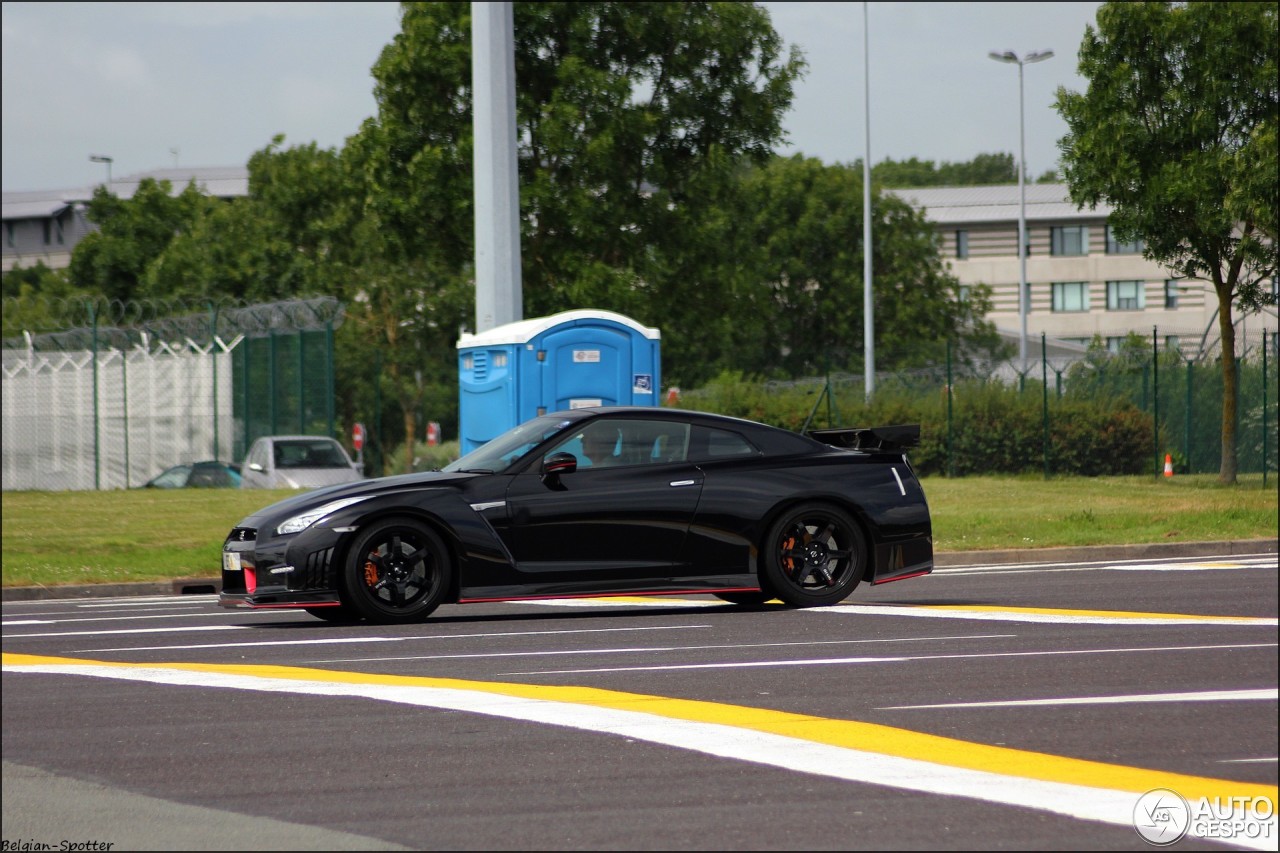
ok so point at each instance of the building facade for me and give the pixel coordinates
(45, 225)
(1081, 281)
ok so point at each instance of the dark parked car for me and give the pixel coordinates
(197, 475)
(598, 502)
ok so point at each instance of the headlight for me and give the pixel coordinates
(299, 523)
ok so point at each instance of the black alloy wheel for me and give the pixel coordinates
(397, 571)
(814, 555)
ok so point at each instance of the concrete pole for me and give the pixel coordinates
(499, 297)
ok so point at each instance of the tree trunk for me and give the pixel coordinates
(410, 431)
(1227, 331)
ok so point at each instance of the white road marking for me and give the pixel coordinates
(1109, 805)
(1031, 614)
(554, 652)
(343, 640)
(127, 631)
(1271, 694)
(902, 659)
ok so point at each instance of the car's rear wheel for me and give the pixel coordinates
(815, 554)
(745, 598)
(340, 614)
(397, 570)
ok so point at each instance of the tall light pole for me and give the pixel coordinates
(1010, 56)
(868, 302)
(102, 158)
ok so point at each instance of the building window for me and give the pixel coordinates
(1114, 345)
(48, 230)
(964, 293)
(1115, 247)
(1065, 240)
(962, 245)
(8, 235)
(1125, 296)
(1070, 296)
(1172, 343)
(1170, 293)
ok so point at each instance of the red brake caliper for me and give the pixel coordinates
(787, 562)
(370, 572)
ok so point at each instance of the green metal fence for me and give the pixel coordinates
(124, 390)
(971, 425)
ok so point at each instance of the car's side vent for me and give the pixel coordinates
(315, 574)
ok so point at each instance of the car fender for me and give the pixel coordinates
(474, 545)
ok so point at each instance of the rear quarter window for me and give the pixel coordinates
(711, 444)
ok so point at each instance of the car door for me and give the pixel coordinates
(617, 521)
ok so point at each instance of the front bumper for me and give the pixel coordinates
(280, 572)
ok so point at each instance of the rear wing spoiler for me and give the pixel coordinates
(885, 438)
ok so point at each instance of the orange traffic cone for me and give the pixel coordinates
(1168, 464)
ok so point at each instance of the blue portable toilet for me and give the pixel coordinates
(571, 360)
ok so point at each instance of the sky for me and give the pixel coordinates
(158, 84)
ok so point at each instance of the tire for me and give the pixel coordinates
(746, 599)
(814, 555)
(342, 614)
(397, 571)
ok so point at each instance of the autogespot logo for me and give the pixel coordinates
(1161, 816)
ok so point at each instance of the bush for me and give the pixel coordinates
(995, 428)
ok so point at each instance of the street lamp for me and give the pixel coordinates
(102, 158)
(1010, 56)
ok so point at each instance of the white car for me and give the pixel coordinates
(297, 462)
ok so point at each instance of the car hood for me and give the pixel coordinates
(288, 507)
(313, 478)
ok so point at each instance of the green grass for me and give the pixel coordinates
(53, 538)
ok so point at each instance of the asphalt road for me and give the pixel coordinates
(1002, 707)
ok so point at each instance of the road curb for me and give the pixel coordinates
(942, 560)
(1152, 550)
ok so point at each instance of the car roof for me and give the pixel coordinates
(769, 439)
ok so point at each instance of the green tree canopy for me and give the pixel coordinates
(982, 169)
(1183, 100)
(112, 262)
(807, 315)
(631, 118)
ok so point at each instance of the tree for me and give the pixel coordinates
(1181, 108)
(291, 236)
(982, 169)
(112, 262)
(806, 220)
(631, 119)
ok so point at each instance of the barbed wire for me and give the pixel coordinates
(75, 324)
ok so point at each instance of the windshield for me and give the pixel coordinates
(510, 447)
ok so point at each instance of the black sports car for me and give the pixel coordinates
(598, 502)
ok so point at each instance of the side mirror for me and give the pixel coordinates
(559, 463)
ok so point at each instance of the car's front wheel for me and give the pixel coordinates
(815, 554)
(397, 570)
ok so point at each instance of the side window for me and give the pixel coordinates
(711, 444)
(616, 441)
